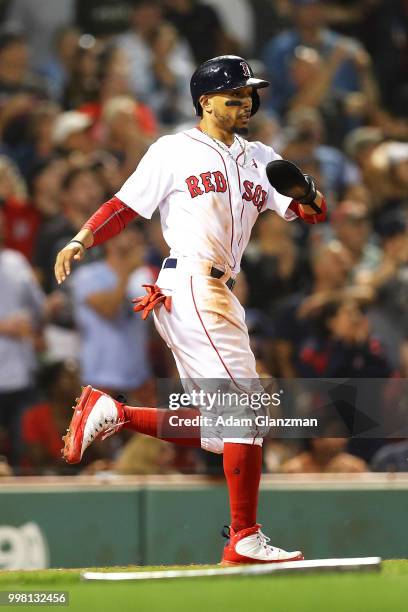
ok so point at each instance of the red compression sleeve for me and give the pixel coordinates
(110, 219)
(242, 469)
(309, 218)
(155, 422)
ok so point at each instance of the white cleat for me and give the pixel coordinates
(251, 546)
(96, 416)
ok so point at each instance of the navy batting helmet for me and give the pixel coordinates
(222, 73)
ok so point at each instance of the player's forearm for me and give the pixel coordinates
(108, 221)
(308, 210)
(308, 214)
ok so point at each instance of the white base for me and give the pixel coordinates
(316, 565)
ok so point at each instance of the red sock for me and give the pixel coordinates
(242, 468)
(155, 422)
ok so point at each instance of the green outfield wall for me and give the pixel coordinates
(84, 522)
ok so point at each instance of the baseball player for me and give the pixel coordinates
(210, 185)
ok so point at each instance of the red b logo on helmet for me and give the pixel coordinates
(245, 69)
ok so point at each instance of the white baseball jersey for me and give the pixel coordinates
(209, 195)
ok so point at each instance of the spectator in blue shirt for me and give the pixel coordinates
(21, 312)
(309, 30)
(114, 352)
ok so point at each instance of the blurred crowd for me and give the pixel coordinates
(85, 88)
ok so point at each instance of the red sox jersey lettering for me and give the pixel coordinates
(206, 182)
(229, 189)
(256, 195)
(216, 182)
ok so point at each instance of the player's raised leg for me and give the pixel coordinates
(97, 416)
